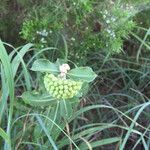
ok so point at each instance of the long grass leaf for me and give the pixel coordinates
(10, 81)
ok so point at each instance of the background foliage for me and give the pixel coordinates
(112, 37)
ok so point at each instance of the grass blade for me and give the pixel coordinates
(10, 81)
(46, 132)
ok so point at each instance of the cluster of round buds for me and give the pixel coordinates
(61, 88)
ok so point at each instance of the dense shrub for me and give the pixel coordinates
(87, 26)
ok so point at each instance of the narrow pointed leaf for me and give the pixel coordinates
(4, 135)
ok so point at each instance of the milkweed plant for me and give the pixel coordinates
(61, 83)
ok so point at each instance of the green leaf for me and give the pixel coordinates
(52, 142)
(84, 90)
(60, 61)
(18, 58)
(65, 109)
(44, 65)
(36, 99)
(99, 143)
(82, 73)
(8, 75)
(4, 135)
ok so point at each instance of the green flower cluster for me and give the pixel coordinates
(61, 88)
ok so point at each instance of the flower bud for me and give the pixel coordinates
(61, 88)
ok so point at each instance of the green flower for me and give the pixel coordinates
(61, 88)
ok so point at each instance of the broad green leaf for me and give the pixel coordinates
(84, 90)
(65, 109)
(44, 65)
(36, 99)
(60, 61)
(82, 73)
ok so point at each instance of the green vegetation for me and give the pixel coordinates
(82, 80)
